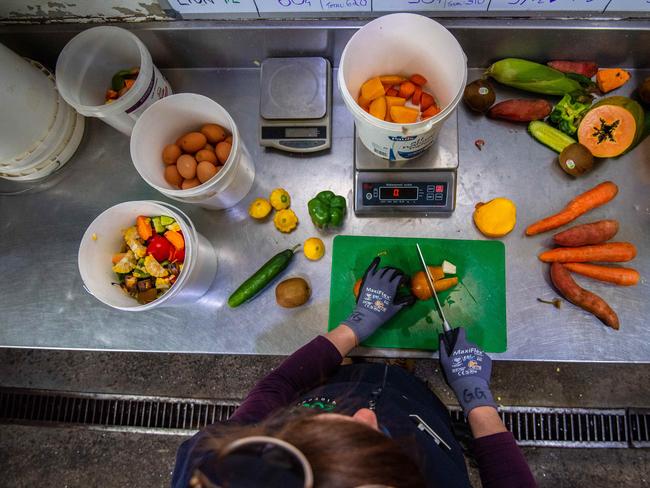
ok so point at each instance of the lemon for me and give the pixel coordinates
(154, 268)
(313, 248)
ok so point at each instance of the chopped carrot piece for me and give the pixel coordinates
(129, 83)
(378, 108)
(418, 79)
(406, 89)
(430, 112)
(426, 101)
(176, 238)
(392, 79)
(111, 94)
(372, 89)
(392, 92)
(403, 115)
(143, 224)
(417, 94)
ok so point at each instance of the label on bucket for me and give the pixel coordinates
(395, 148)
(157, 88)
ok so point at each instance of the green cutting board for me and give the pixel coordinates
(477, 303)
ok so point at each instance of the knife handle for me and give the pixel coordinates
(449, 339)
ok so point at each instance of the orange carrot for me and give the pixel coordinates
(392, 92)
(430, 112)
(597, 196)
(176, 238)
(426, 100)
(610, 252)
(611, 274)
(418, 79)
(417, 94)
(143, 224)
(406, 89)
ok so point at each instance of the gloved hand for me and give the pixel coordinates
(377, 302)
(467, 371)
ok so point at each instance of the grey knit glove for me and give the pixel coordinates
(377, 302)
(467, 371)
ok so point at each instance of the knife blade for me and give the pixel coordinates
(449, 335)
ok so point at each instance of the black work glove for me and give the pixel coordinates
(377, 302)
(467, 371)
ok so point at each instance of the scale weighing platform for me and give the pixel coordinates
(295, 104)
(420, 187)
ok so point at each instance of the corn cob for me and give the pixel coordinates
(533, 77)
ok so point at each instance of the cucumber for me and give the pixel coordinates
(550, 136)
(261, 278)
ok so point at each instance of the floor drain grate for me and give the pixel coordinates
(531, 426)
(112, 412)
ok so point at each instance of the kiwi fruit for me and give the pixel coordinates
(479, 95)
(576, 159)
(292, 293)
(644, 91)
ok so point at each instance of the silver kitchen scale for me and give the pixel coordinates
(422, 187)
(295, 104)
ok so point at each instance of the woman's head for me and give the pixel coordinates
(343, 451)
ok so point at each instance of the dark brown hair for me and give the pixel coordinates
(342, 453)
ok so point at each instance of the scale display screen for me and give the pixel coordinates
(291, 133)
(417, 193)
(399, 193)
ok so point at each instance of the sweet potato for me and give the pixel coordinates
(403, 115)
(587, 234)
(611, 274)
(584, 299)
(521, 110)
(584, 68)
(378, 108)
(610, 252)
(583, 203)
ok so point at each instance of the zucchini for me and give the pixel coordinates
(550, 136)
(261, 278)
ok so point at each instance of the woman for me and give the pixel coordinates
(312, 422)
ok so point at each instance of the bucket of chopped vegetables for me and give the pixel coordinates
(139, 255)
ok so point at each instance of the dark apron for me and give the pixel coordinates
(395, 395)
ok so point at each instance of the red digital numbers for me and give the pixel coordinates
(395, 192)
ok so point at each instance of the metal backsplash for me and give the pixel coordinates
(191, 44)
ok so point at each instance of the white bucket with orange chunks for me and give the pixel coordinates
(404, 45)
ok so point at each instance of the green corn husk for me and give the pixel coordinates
(532, 77)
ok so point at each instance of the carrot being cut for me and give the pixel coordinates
(611, 274)
(584, 299)
(597, 196)
(610, 252)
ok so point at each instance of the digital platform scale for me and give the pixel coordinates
(422, 187)
(295, 104)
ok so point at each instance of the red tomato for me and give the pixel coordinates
(160, 248)
(177, 255)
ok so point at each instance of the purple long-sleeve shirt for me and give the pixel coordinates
(501, 462)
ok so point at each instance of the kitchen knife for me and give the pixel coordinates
(449, 335)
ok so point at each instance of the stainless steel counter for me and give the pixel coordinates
(43, 303)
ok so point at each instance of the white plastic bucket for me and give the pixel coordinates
(28, 105)
(87, 64)
(170, 118)
(94, 258)
(402, 44)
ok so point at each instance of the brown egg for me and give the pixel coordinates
(187, 184)
(209, 147)
(171, 153)
(172, 176)
(228, 140)
(192, 142)
(215, 133)
(223, 151)
(186, 165)
(206, 155)
(206, 170)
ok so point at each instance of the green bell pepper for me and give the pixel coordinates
(327, 209)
